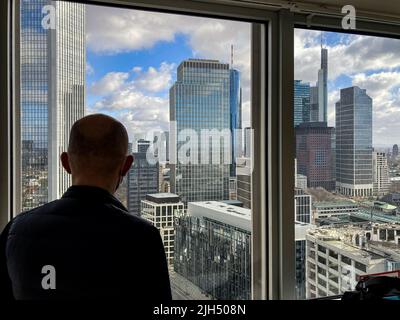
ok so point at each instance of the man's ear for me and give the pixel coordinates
(127, 165)
(65, 162)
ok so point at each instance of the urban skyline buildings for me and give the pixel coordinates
(52, 77)
(354, 143)
(200, 100)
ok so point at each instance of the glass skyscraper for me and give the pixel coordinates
(236, 117)
(142, 178)
(52, 96)
(354, 143)
(301, 102)
(200, 100)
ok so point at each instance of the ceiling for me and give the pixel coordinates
(377, 8)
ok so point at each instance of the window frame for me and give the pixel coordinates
(273, 244)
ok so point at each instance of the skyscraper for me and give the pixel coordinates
(380, 173)
(314, 154)
(200, 104)
(319, 93)
(395, 151)
(354, 143)
(52, 77)
(142, 178)
(301, 102)
(235, 102)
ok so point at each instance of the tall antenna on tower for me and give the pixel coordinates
(321, 38)
(231, 55)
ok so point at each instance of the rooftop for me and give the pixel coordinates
(334, 203)
(228, 214)
(165, 197)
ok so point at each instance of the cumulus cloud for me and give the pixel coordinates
(113, 30)
(110, 83)
(154, 80)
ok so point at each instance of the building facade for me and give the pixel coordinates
(354, 143)
(334, 208)
(143, 178)
(159, 209)
(235, 102)
(302, 205)
(213, 249)
(52, 96)
(301, 102)
(380, 173)
(200, 104)
(314, 154)
(243, 181)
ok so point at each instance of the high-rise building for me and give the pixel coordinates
(301, 102)
(52, 77)
(323, 87)
(235, 102)
(142, 178)
(200, 106)
(354, 143)
(243, 181)
(336, 257)
(159, 209)
(314, 104)
(248, 142)
(395, 151)
(212, 249)
(380, 173)
(302, 206)
(314, 154)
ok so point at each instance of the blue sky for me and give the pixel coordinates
(118, 40)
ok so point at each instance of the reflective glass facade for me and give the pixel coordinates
(52, 64)
(236, 117)
(301, 102)
(354, 142)
(199, 100)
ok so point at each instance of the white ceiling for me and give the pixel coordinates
(382, 8)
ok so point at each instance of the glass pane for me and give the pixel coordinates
(346, 93)
(181, 86)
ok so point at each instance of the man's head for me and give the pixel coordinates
(97, 152)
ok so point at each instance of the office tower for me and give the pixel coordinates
(319, 93)
(233, 188)
(301, 102)
(220, 265)
(395, 151)
(235, 102)
(52, 96)
(334, 208)
(314, 154)
(248, 142)
(354, 143)
(243, 181)
(300, 231)
(336, 257)
(159, 209)
(323, 87)
(314, 104)
(302, 206)
(380, 173)
(200, 106)
(142, 178)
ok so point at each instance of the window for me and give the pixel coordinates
(174, 81)
(346, 143)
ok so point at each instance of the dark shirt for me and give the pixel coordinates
(97, 250)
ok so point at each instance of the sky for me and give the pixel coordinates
(372, 63)
(132, 58)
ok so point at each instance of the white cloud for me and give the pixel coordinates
(110, 83)
(154, 80)
(89, 68)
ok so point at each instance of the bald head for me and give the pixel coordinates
(97, 143)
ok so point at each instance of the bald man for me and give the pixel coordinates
(86, 245)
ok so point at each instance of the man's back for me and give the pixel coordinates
(96, 248)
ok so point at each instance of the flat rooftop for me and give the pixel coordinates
(219, 211)
(334, 203)
(164, 197)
